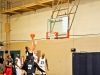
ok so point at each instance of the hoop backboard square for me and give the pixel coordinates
(52, 35)
(60, 25)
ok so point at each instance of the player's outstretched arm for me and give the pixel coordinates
(39, 68)
(47, 64)
(33, 42)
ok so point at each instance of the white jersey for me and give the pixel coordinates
(35, 58)
(18, 70)
(42, 62)
(18, 63)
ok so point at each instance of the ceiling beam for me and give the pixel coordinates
(44, 5)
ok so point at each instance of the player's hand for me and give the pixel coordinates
(46, 72)
(10, 66)
(47, 69)
(20, 67)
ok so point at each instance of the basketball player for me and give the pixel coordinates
(30, 50)
(29, 53)
(9, 65)
(1, 63)
(43, 63)
(35, 56)
(32, 67)
(18, 65)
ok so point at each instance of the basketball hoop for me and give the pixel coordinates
(52, 35)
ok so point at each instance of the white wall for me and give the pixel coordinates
(0, 27)
(3, 20)
(0, 31)
(87, 18)
(30, 22)
(86, 22)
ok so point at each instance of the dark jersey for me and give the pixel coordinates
(24, 67)
(10, 62)
(1, 60)
(28, 54)
(31, 67)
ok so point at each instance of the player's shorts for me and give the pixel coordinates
(30, 73)
(8, 71)
(43, 68)
(18, 71)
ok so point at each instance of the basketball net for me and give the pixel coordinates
(52, 35)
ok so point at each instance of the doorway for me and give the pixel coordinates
(13, 55)
(2, 53)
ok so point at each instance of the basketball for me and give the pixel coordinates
(32, 35)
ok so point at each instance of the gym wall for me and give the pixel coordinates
(58, 51)
(85, 22)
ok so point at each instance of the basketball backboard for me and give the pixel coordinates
(60, 25)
